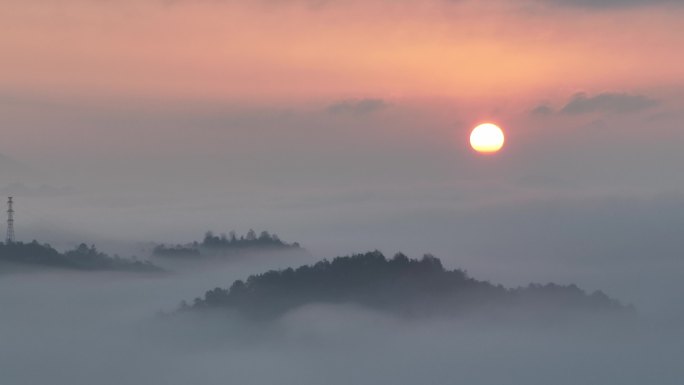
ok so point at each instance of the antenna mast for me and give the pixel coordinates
(10, 221)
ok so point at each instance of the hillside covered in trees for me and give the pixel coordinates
(82, 257)
(223, 244)
(400, 285)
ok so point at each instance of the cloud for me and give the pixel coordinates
(592, 4)
(607, 102)
(357, 106)
(612, 4)
(581, 103)
(542, 110)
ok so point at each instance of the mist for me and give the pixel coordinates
(119, 328)
(134, 126)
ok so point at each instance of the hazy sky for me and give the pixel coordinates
(344, 124)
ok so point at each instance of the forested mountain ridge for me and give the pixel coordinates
(82, 257)
(225, 244)
(399, 285)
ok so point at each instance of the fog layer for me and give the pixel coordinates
(101, 328)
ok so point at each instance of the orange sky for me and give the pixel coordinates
(356, 109)
(290, 50)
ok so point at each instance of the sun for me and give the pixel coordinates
(487, 138)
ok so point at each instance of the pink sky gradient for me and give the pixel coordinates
(309, 117)
(292, 50)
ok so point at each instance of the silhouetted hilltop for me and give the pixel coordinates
(81, 258)
(399, 285)
(225, 244)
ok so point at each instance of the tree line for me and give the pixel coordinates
(212, 243)
(83, 257)
(411, 287)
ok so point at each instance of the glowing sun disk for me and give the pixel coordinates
(487, 138)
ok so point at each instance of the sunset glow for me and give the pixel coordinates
(154, 152)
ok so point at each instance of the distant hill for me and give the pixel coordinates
(81, 258)
(222, 245)
(400, 285)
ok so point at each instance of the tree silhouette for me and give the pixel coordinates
(83, 257)
(213, 245)
(411, 287)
